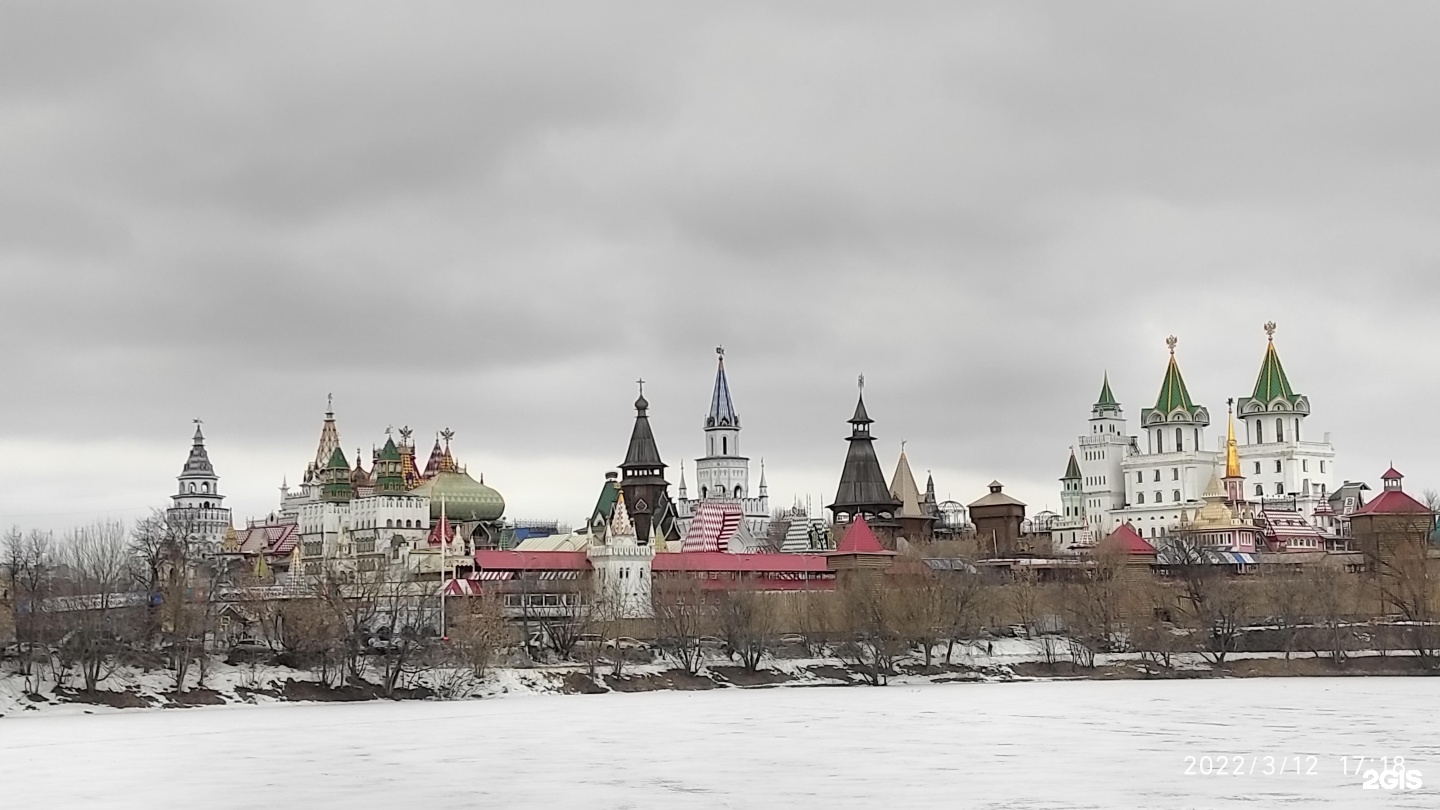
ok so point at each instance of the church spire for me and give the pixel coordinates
(1272, 384)
(722, 410)
(1173, 393)
(329, 440)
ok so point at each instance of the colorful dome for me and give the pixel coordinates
(465, 498)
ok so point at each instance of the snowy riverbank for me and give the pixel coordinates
(1006, 660)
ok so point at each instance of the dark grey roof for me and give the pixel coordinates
(862, 482)
(643, 451)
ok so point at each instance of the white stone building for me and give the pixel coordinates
(197, 507)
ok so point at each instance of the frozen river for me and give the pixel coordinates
(1018, 745)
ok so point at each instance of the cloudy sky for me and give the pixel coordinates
(496, 217)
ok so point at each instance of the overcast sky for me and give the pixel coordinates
(495, 218)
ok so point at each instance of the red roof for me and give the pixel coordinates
(743, 563)
(859, 539)
(1128, 540)
(533, 560)
(1392, 502)
(1391, 474)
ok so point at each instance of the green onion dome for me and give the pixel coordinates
(465, 498)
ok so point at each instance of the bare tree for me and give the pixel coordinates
(962, 597)
(871, 622)
(682, 617)
(747, 623)
(97, 562)
(1216, 604)
(1023, 595)
(29, 565)
(353, 602)
(1407, 581)
(479, 633)
(1092, 605)
(1330, 599)
(920, 611)
(1285, 596)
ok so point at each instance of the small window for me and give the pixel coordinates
(1174, 473)
(1159, 498)
(1304, 465)
(1140, 497)
(1259, 490)
(1257, 468)
(1279, 465)
(1279, 488)
(1176, 497)
(1139, 477)
(1322, 466)
(1157, 475)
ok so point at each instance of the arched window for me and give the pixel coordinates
(704, 491)
(724, 446)
(1139, 477)
(1159, 441)
(192, 489)
(389, 523)
(737, 492)
(1157, 475)
(1179, 440)
(1140, 497)
(1279, 430)
(1259, 491)
(1297, 429)
(1159, 497)
(1279, 488)
(1176, 497)
(1259, 432)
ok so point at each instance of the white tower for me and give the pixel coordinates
(1281, 463)
(1102, 453)
(197, 507)
(723, 473)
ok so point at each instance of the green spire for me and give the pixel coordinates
(1173, 393)
(336, 478)
(1272, 383)
(337, 461)
(1072, 470)
(389, 452)
(1107, 399)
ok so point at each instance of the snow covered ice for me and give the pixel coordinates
(1088, 744)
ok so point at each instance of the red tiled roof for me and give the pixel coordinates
(533, 560)
(1128, 540)
(1391, 473)
(742, 563)
(860, 539)
(1392, 502)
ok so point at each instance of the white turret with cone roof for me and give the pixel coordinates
(1102, 452)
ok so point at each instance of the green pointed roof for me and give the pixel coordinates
(1107, 398)
(337, 460)
(1072, 470)
(1272, 383)
(389, 452)
(1173, 393)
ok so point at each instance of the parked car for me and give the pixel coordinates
(247, 651)
(794, 639)
(626, 643)
(587, 641)
(710, 642)
(376, 645)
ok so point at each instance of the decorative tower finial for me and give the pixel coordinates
(329, 404)
(1171, 341)
(720, 350)
(862, 382)
(447, 434)
(1270, 330)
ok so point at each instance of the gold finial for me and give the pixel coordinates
(1171, 341)
(1270, 330)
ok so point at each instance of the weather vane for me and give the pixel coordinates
(862, 382)
(1171, 341)
(720, 350)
